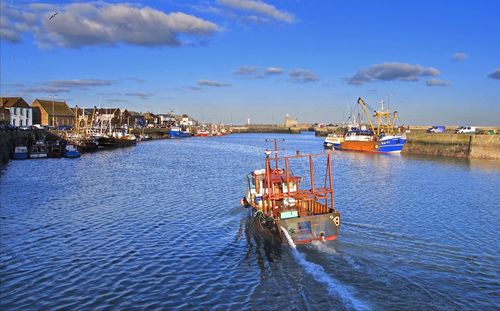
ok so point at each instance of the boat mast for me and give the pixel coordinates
(363, 105)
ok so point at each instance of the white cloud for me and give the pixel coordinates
(14, 22)
(390, 72)
(435, 82)
(139, 95)
(211, 83)
(100, 23)
(45, 89)
(459, 56)
(81, 83)
(259, 7)
(495, 74)
(246, 71)
(303, 76)
(274, 71)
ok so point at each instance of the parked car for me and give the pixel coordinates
(64, 128)
(436, 129)
(466, 130)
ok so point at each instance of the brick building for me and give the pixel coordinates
(53, 113)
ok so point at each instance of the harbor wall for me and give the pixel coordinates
(266, 128)
(454, 145)
(8, 141)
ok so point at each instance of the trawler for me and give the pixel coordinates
(380, 138)
(278, 199)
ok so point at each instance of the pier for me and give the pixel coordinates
(267, 128)
(453, 145)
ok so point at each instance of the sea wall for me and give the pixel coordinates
(263, 128)
(454, 145)
(8, 141)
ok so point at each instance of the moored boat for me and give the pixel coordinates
(20, 153)
(278, 201)
(55, 149)
(70, 151)
(382, 138)
(333, 141)
(87, 144)
(39, 150)
(180, 132)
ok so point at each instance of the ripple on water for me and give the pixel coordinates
(157, 227)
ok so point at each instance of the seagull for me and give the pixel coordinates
(53, 15)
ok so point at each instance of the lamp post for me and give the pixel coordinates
(53, 115)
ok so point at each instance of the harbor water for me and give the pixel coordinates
(159, 226)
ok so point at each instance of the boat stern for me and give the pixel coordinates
(311, 228)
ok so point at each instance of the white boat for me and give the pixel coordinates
(20, 153)
(333, 141)
(39, 150)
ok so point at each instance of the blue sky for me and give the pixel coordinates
(436, 62)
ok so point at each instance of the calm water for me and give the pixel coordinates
(159, 226)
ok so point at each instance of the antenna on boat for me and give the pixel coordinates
(268, 152)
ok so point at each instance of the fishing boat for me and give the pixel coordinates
(202, 133)
(55, 149)
(182, 131)
(39, 150)
(383, 137)
(333, 141)
(278, 200)
(20, 153)
(70, 151)
(88, 144)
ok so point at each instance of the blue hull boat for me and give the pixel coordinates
(21, 153)
(178, 133)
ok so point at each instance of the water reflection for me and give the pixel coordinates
(473, 164)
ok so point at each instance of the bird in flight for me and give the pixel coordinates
(53, 15)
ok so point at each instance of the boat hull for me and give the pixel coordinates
(392, 145)
(38, 155)
(302, 230)
(179, 134)
(111, 142)
(72, 154)
(311, 228)
(20, 156)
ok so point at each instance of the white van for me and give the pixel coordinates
(466, 130)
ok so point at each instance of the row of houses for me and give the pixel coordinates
(17, 112)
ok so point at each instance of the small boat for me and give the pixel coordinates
(180, 132)
(381, 138)
(333, 141)
(117, 139)
(20, 153)
(55, 149)
(87, 145)
(71, 151)
(278, 201)
(39, 150)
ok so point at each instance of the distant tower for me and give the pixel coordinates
(248, 121)
(289, 122)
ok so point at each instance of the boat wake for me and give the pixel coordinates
(319, 274)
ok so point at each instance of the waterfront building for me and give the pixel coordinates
(53, 113)
(19, 112)
(136, 119)
(151, 119)
(4, 115)
(167, 119)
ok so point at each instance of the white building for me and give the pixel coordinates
(21, 113)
